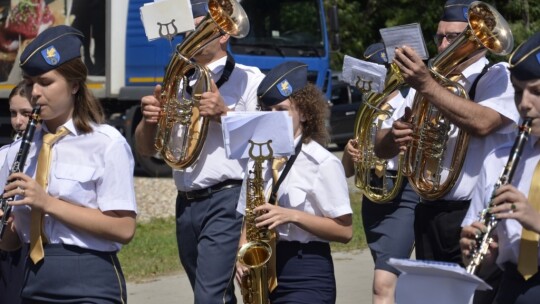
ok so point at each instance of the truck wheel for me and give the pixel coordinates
(153, 166)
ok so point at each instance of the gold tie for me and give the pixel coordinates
(277, 164)
(528, 247)
(42, 176)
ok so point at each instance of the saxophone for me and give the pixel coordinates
(486, 218)
(18, 165)
(256, 253)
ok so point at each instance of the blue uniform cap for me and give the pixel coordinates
(283, 80)
(50, 49)
(376, 53)
(456, 10)
(198, 8)
(525, 61)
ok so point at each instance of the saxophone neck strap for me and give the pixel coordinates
(288, 165)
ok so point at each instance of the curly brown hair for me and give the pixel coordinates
(311, 103)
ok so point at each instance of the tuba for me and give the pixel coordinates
(181, 129)
(368, 121)
(423, 160)
(256, 253)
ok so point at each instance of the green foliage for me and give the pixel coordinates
(360, 21)
(152, 252)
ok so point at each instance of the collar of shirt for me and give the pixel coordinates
(216, 67)
(68, 125)
(474, 69)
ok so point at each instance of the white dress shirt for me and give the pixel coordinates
(212, 167)
(93, 170)
(508, 230)
(494, 90)
(315, 184)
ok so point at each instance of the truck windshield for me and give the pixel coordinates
(282, 28)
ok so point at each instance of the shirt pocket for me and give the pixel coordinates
(296, 198)
(75, 183)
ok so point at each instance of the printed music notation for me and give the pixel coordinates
(408, 34)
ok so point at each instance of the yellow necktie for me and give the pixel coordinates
(528, 247)
(277, 164)
(42, 176)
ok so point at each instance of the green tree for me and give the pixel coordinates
(360, 21)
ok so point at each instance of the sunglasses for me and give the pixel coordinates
(450, 37)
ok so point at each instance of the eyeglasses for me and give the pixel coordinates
(450, 37)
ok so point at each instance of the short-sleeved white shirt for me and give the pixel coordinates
(508, 230)
(315, 184)
(494, 90)
(212, 167)
(93, 170)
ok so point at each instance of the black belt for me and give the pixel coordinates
(207, 192)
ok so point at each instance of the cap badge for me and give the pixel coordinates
(538, 57)
(51, 56)
(465, 11)
(285, 88)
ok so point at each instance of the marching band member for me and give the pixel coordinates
(12, 263)
(313, 205)
(74, 201)
(516, 205)
(388, 226)
(488, 117)
(207, 224)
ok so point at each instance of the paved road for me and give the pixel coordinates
(354, 271)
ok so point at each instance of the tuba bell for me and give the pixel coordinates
(181, 129)
(373, 111)
(423, 160)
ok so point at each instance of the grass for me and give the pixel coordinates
(153, 251)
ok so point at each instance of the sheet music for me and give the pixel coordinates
(166, 17)
(365, 75)
(260, 126)
(408, 34)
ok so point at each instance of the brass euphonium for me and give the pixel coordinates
(181, 129)
(373, 111)
(256, 253)
(487, 29)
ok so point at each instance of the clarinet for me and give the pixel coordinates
(18, 165)
(486, 218)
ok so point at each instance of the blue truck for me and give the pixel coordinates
(125, 66)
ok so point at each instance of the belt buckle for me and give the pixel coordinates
(189, 195)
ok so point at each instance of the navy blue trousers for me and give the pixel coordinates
(208, 231)
(513, 289)
(305, 274)
(70, 274)
(389, 227)
(12, 274)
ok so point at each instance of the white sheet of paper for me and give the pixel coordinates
(173, 15)
(434, 282)
(239, 127)
(363, 74)
(408, 34)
